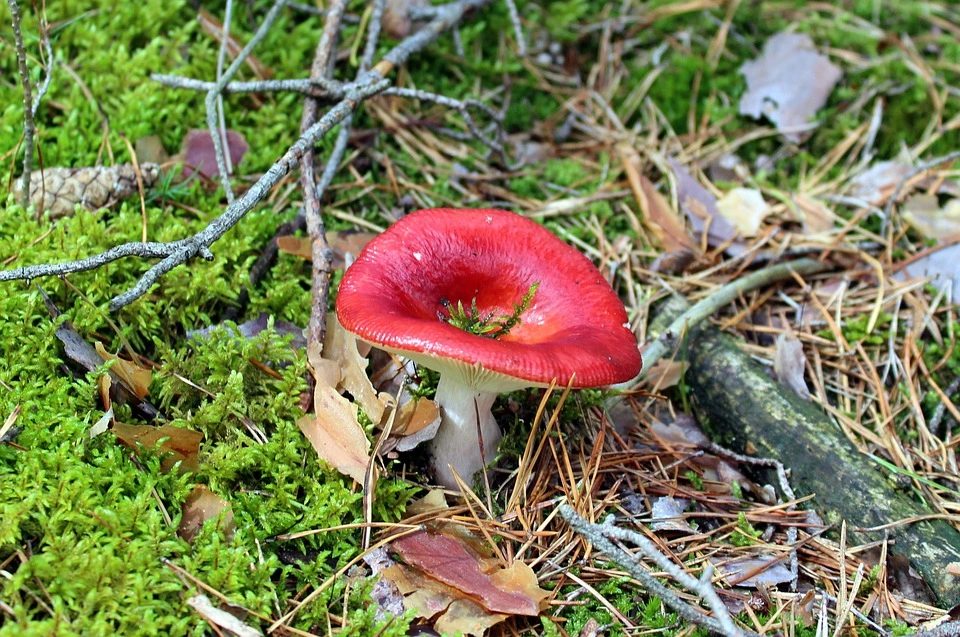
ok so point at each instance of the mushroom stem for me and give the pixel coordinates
(456, 447)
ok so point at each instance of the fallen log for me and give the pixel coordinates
(737, 401)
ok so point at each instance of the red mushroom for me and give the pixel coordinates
(399, 294)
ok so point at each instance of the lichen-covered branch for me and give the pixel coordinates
(602, 537)
(28, 125)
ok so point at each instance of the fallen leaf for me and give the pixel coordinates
(385, 594)
(876, 184)
(750, 572)
(346, 245)
(789, 364)
(662, 220)
(665, 373)
(667, 514)
(434, 500)
(199, 154)
(700, 207)
(448, 560)
(923, 213)
(817, 218)
(591, 628)
(334, 431)
(788, 83)
(466, 617)
(150, 149)
(396, 17)
(745, 209)
(221, 618)
(201, 506)
(942, 266)
(417, 421)
(103, 424)
(341, 346)
(182, 445)
(136, 377)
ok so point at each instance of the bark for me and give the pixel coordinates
(737, 401)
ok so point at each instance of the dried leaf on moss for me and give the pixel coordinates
(136, 377)
(201, 506)
(788, 83)
(182, 445)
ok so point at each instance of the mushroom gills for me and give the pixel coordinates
(456, 447)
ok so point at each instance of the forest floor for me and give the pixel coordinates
(679, 145)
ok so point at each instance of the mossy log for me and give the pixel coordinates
(737, 401)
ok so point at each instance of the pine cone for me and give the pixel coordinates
(93, 188)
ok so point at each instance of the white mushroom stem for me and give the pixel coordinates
(456, 447)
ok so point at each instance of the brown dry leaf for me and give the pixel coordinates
(340, 346)
(435, 500)
(296, 246)
(662, 220)
(57, 191)
(666, 373)
(346, 245)
(396, 17)
(199, 155)
(817, 218)
(789, 364)
(200, 506)
(448, 560)
(466, 617)
(745, 209)
(700, 207)
(923, 212)
(333, 430)
(417, 421)
(182, 444)
(212, 26)
(788, 83)
(129, 372)
(150, 149)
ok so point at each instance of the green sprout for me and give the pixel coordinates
(487, 325)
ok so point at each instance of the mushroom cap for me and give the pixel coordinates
(575, 327)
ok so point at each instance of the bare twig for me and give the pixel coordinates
(214, 93)
(322, 255)
(517, 27)
(602, 536)
(28, 125)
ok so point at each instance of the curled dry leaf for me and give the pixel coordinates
(788, 83)
(665, 374)
(201, 506)
(924, 213)
(789, 364)
(136, 377)
(57, 191)
(417, 421)
(182, 445)
(700, 206)
(333, 429)
(656, 212)
(745, 209)
(340, 346)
